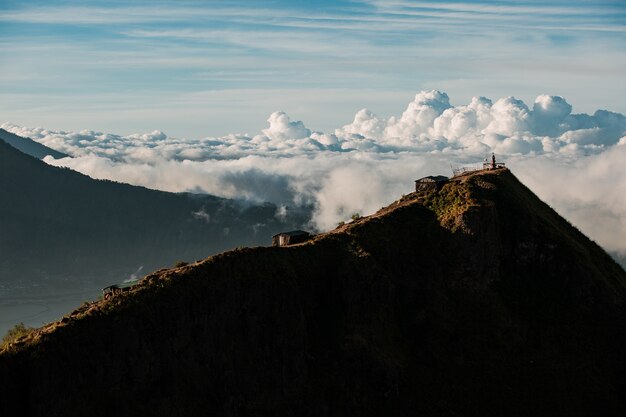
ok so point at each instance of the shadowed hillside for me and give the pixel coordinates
(473, 300)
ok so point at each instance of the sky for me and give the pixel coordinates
(339, 105)
(209, 68)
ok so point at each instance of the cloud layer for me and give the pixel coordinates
(575, 162)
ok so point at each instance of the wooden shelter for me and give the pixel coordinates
(290, 238)
(430, 183)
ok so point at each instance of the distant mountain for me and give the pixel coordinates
(29, 146)
(474, 299)
(61, 226)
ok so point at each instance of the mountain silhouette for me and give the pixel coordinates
(471, 299)
(29, 146)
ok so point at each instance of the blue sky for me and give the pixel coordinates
(207, 68)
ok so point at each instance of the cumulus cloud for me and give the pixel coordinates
(282, 128)
(370, 161)
(365, 124)
(429, 124)
(419, 115)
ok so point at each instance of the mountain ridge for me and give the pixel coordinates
(29, 146)
(474, 299)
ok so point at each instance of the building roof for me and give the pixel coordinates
(293, 233)
(433, 178)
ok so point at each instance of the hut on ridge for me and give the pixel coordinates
(430, 182)
(290, 238)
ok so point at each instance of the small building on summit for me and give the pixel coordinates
(430, 183)
(290, 238)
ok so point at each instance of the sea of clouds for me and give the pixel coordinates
(575, 162)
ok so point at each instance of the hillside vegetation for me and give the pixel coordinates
(473, 300)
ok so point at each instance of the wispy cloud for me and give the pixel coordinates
(113, 15)
(175, 64)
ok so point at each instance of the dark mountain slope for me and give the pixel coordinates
(29, 146)
(58, 223)
(474, 300)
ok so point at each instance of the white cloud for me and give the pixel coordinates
(549, 113)
(282, 128)
(574, 161)
(419, 116)
(365, 124)
(455, 123)
(429, 124)
(363, 185)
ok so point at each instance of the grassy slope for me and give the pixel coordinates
(477, 299)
